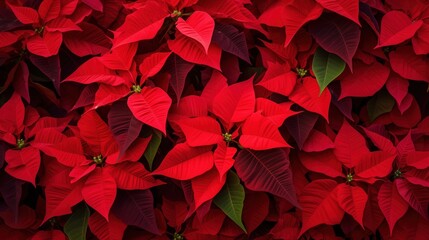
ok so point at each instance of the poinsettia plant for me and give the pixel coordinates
(200, 119)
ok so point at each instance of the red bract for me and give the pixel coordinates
(201, 119)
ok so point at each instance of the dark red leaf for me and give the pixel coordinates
(178, 69)
(50, 67)
(317, 141)
(255, 210)
(229, 9)
(373, 216)
(266, 171)
(336, 35)
(21, 80)
(47, 235)
(94, 4)
(136, 208)
(11, 191)
(411, 226)
(125, 127)
(231, 40)
(25, 219)
(416, 196)
(90, 41)
(300, 125)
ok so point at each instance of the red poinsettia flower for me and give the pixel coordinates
(362, 165)
(23, 160)
(97, 169)
(222, 117)
(409, 175)
(148, 104)
(232, 117)
(48, 24)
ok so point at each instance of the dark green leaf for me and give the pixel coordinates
(230, 199)
(381, 103)
(326, 67)
(152, 148)
(76, 226)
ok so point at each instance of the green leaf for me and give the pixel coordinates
(152, 148)
(326, 67)
(230, 199)
(76, 226)
(381, 103)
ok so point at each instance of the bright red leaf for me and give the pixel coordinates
(199, 26)
(306, 94)
(319, 204)
(99, 191)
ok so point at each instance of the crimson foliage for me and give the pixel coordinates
(203, 119)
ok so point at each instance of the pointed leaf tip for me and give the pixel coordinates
(326, 67)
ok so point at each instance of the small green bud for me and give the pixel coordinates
(177, 236)
(177, 13)
(136, 89)
(349, 178)
(20, 143)
(39, 30)
(397, 173)
(98, 159)
(227, 137)
(301, 72)
(387, 49)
